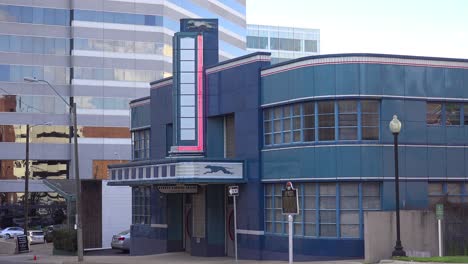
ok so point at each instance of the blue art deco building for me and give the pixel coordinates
(320, 122)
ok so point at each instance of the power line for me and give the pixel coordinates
(21, 102)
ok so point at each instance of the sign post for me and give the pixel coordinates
(22, 243)
(234, 192)
(440, 217)
(290, 202)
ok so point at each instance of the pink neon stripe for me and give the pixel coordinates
(200, 92)
(200, 117)
(365, 62)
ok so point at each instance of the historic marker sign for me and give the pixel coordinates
(290, 200)
(22, 243)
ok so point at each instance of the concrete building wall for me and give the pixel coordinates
(418, 234)
(116, 211)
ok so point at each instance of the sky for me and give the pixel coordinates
(437, 28)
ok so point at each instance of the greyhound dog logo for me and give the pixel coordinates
(202, 25)
(214, 169)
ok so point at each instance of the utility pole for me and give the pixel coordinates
(79, 230)
(26, 185)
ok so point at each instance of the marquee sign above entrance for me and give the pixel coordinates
(179, 172)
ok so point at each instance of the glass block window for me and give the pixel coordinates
(141, 205)
(370, 120)
(349, 210)
(452, 114)
(453, 192)
(309, 121)
(371, 196)
(326, 120)
(434, 114)
(465, 114)
(296, 123)
(321, 121)
(348, 120)
(323, 212)
(327, 209)
(267, 126)
(277, 126)
(309, 210)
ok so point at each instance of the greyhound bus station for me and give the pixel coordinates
(320, 122)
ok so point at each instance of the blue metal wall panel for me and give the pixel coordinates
(370, 75)
(348, 163)
(215, 137)
(324, 80)
(454, 83)
(347, 79)
(393, 80)
(161, 107)
(435, 82)
(455, 162)
(415, 81)
(371, 161)
(437, 160)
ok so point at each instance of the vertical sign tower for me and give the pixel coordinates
(195, 47)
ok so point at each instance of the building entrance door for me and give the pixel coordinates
(229, 237)
(187, 222)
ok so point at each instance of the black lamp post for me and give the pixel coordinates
(395, 127)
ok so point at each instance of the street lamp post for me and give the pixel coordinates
(26, 180)
(79, 231)
(395, 127)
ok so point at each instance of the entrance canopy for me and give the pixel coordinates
(177, 171)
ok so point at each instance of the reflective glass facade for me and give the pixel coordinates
(100, 55)
(284, 43)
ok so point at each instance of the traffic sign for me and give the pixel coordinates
(233, 190)
(440, 211)
(290, 200)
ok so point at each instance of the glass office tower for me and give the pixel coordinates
(284, 43)
(100, 54)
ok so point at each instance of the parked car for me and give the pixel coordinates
(36, 236)
(10, 232)
(121, 241)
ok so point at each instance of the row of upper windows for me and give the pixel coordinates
(449, 114)
(34, 15)
(37, 45)
(116, 74)
(122, 46)
(282, 44)
(322, 121)
(61, 75)
(16, 73)
(61, 17)
(54, 105)
(120, 18)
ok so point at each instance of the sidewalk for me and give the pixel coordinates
(173, 258)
